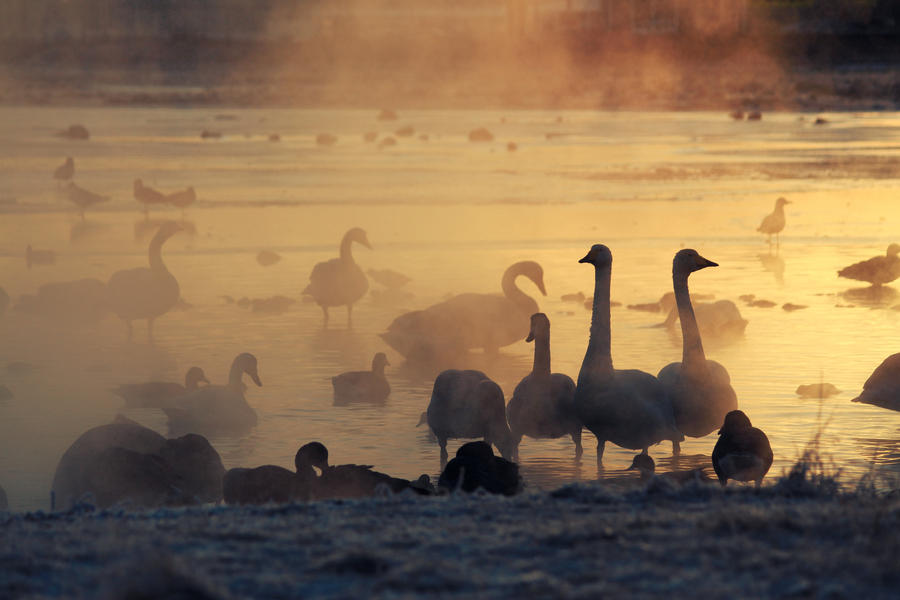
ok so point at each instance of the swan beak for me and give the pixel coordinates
(255, 378)
(530, 337)
(540, 286)
(705, 262)
(203, 379)
(586, 259)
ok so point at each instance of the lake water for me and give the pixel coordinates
(452, 215)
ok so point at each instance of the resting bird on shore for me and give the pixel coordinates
(146, 293)
(339, 281)
(877, 270)
(147, 195)
(882, 388)
(774, 222)
(83, 198)
(65, 171)
(543, 404)
(363, 386)
(271, 483)
(156, 394)
(743, 452)
(475, 467)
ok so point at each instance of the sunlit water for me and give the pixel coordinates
(452, 215)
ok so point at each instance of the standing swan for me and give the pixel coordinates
(339, 281)
(629, 408)
(145, 293)
(543, 404)
(774, 222)
(700, 389)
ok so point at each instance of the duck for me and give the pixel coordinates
(182, 198)
(124, 460)
(270, 483)
(468, 321)
(743, 452)
(629, 408)
(363, 386)
(339, 281)
(646, 466)
(543, 403)
(83, 198)
(147, 195)
(699, 389)
(882, 388)
(721, 320)
(475, 467)
(65, 171)
(468, 404)
(156, 394)
(877, 270)
(38, 257)
(773, 223)
(217, 409)
(146, 293)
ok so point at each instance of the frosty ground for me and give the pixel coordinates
(790, 539)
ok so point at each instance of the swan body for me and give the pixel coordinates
(543, 404)
(65, 171)
(467, 404)
(882, 388)
(629, 408)
(147, 195)
(261, 485)
(83, 198)
(217, 409)
(146, 293)
(774, 222)
(339, 281)
(878, 270)
(156, 394)
(475, 467)
(743, 452)
(363, 386)
(699, 389)
(719, 319)
(468, 321)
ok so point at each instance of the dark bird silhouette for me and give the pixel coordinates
(271, 483)
(877, 270)
(339, 281)
(83, 198)
(475, 467)
(65, 171)
(743, 452)
(157, 394)
(646, 466)
(363, 386)
(882, 388)
(147, 195)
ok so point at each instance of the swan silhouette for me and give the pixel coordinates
(773, 223)
(743, 452)
(363, 386)
(877, 270)
(543, 404)
(145, 293)
(339, 281)
(699, 389)
(629, 408)
(468, 321)
(882, 388)
(475, 467)
(271, 483)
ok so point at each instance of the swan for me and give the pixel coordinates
(878, 270)
(543, 404)
(699, 389)
(467, 321)
(83, 198)
(127, 461)
(467, 404)
(216, 409)
(65, 171)
(339, 281)
(475, 467)
(719, 319)
(774, 222)
(363, 386)
(882, 388)
(147, 195)
(269, 483)
(743, 452)
(146, 293)
(629, 408)
(156, 394)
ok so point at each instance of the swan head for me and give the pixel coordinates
(735, 421)
(599, 256)
(529, 269)
(540, 327)
(478, 451)
(781, 202)
(492, 409)
(689, 260)
(313, 454)
(246, 362)
(893, 250)
(359, 236)
(644, 464)
(193, 377)
(379, 362)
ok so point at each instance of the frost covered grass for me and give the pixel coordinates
(802, 537)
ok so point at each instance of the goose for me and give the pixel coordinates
(774, 222)
(65, 171)
(543, 404)
(83, 198)
(467, 404)
(882, 388)
(339, 281)
(646, 466)
(878, 270)
(363, 386)
(270, 483)
(124, 460)
(475, 467)
(720, 319)
(217, 409)
(38, 257)
(699, 389)
(629, 408)
(182, 198)
(468, 321)
(156, 394)
(147, 195)
(743, 452)
(146, 293)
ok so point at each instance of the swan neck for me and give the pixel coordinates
(235, 375)
(541, 366)
(155, 254)
(598, 358)
(514, 294)
(692, 346)
(346, 254)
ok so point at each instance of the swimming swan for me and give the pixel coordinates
(629, 408)
(363, 386)
(699, 389)
(877, 270)
(882, 388)
(720, 319)
(339, 281)
(543, 404)
(145, 293)
(743, 452)
(156, 394)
